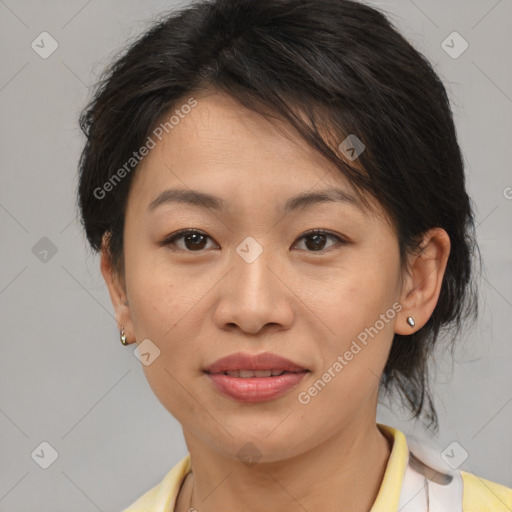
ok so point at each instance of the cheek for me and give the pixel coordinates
(160, 307)
(159, 297)
(169, 306)
(357, 294)
(360, 311)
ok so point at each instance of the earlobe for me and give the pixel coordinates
(116, 289)
(424, 281)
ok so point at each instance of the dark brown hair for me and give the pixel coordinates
(329, 68)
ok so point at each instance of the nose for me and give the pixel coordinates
(254, 295)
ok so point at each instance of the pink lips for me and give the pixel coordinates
(254, 389)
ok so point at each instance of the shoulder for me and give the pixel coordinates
(162, 497)
(446, 489)
(481, 495)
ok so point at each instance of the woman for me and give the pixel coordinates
(278, 196)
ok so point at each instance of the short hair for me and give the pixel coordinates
(329, 68)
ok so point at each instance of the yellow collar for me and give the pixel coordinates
(389, 492)
(162, 497)
(402, 486)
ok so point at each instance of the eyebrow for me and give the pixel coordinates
(204, 200)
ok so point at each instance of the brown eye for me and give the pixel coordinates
(192, 241)
(195, 241)
(316, 240)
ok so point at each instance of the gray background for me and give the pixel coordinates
(65, 377)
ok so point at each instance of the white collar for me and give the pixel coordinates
(429, 489)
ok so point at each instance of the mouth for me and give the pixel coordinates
(244, 365)
(250, 386)
(247, 374)
(254, 378)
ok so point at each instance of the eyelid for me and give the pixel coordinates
(169, 240)
(319, 231)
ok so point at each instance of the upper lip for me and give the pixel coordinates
(263, 361)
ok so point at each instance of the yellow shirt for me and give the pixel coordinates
(403, 489)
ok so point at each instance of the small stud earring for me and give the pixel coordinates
(123, 337)
(410, 321)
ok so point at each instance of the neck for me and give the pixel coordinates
(345, 472)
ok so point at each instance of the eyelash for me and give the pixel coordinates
(181, 234)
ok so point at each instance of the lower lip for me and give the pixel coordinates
(255, 389)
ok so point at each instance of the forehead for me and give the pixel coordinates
(221, 147)
(218, 128)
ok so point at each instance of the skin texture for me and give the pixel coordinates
(302, 301)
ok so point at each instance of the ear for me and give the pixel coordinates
(117, 290)
(422, 284)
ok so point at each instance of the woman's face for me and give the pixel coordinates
(254, 281)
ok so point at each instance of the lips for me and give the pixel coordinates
(256, 389)
(246, 374)
(262, 365)
(254, 378)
